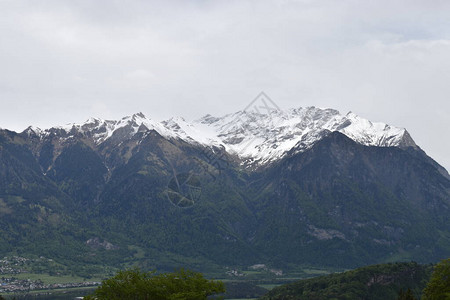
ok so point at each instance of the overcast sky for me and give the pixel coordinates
(64, 61)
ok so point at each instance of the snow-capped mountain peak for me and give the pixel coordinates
(257, 138)
(261, 138)
(33, 131)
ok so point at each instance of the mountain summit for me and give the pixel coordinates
(256, 138)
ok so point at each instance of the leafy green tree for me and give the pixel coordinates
(438, 288)
(136, 285)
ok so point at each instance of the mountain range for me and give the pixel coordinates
(305, 186)
(256, 138)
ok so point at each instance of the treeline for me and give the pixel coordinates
(405, 281)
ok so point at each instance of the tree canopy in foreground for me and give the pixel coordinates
(134, 284)
(438, 288)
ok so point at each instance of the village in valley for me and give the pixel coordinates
(14, 273)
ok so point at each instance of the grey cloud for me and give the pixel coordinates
(63, 61)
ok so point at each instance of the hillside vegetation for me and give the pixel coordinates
(381, 282)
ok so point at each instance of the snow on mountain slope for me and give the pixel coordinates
(254, 137)
(261, 138)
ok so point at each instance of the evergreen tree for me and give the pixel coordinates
(408, 295)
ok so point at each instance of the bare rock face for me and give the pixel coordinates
(97, 243)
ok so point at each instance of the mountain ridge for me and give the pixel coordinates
(255, 138)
